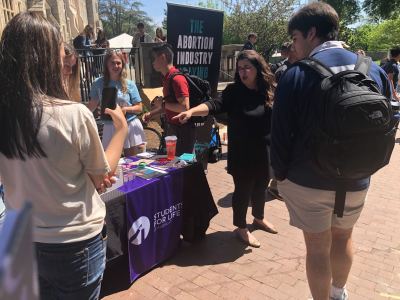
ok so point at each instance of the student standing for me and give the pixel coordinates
(51, 155)
(248, 103)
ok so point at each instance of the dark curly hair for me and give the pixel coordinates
(265, 79)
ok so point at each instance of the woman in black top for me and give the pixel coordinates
(248, 103)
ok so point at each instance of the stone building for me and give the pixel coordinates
(71, 16)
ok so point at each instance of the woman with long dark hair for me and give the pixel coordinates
(115, 75)
(51, 155)
(248, 102)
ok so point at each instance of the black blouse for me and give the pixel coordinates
(249, 124)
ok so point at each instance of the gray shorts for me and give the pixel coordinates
(311, 210)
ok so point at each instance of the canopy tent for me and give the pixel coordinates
(123, 40)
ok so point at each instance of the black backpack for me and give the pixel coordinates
(199, 92)
(274, 67)
(76, 42)
(354, 131)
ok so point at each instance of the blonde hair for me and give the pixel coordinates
(124, 74)
(72, 82)
(88, 31)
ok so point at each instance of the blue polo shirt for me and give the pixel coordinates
(293, 113)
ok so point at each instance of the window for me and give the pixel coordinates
(8, 10)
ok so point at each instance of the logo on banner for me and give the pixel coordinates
(139, 231)
(166, 216)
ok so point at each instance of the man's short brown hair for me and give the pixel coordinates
(166, 49)
(320, 15)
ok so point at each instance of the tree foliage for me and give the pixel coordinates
(385, 35)
(376, 37)
(382, 9)
(348, 10)
(121, 16)
(267, 18)
(215, 4)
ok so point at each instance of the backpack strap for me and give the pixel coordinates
(363, 64)
(170, 87)
(340, 199)
(317, 66)
(188, 80)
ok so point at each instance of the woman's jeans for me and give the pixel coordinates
(73, 270)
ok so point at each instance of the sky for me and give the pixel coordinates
(155, 8)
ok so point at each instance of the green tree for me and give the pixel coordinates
(267, 18)
(360, 37)
(385, 35)
(376, 37)
(121, 16)
(215, 4)
(348, 10)
(382, 9)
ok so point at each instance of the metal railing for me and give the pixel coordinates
(91, 67)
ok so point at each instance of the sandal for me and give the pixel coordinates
(266, 228)
(252, 241)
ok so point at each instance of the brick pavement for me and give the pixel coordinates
(220, 267)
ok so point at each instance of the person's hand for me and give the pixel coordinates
(118, 117)
(108, 181)
(183, 117)
(157, 101)
(146, 117)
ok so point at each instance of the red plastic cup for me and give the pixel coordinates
(170, 143)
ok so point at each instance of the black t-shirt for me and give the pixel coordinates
(248, 46)
(249, 125)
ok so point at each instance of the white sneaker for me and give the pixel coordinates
(343, 296)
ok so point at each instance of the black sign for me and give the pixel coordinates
(196, 36)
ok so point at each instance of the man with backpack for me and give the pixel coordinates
(391, 68)
(332, 127)
(175, 99)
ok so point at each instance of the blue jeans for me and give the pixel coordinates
(73, 270)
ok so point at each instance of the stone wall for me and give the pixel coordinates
(228, 61)
(8, 9)
(71, 16)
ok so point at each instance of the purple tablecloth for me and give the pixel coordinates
(154, 220)
(147, 220)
